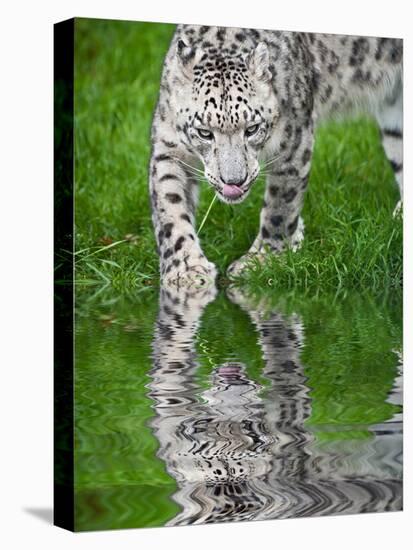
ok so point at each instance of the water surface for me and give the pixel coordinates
(212, 407)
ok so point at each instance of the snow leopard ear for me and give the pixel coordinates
(258, 60)
(188, 57)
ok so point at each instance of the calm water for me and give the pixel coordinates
(225, 407)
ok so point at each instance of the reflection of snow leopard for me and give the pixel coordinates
(238, 450)
(230, 98)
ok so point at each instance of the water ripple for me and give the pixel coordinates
(229, 407)
(241, 450)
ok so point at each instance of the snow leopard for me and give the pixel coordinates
(234, 103)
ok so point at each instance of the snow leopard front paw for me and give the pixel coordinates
(261, 248)
(190, 271)
(251, 260)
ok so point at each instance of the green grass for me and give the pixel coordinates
(351, 241)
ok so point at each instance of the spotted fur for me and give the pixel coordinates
(234, 102)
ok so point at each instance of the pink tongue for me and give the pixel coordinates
(231, 191)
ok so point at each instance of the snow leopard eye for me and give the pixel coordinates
(252, 130)
(205, 134)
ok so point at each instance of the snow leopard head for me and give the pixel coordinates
(225, 108)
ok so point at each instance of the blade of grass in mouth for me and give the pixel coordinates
(207, 214)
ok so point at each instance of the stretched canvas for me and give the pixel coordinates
(228, 274)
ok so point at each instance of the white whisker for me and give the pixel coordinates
(271, 161)
(192, 168)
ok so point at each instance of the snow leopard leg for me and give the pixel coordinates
(174, 192)
(390, 119)
(281, 225)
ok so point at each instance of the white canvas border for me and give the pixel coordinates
(26, 274)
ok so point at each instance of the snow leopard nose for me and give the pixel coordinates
(233, 180)
(232, 165)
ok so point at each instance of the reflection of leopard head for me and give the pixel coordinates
(241, 444)
(230, 388)
(225, 440)
(219, 450)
